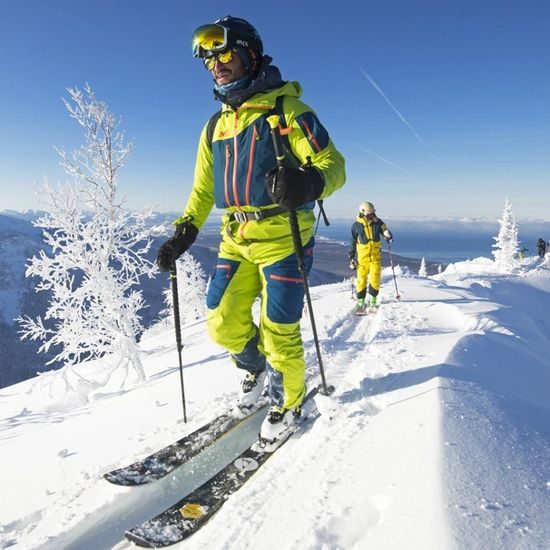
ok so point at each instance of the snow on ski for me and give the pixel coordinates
(166, 460)
(187, 516)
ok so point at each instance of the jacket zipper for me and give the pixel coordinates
(235, 158)
(225, 174)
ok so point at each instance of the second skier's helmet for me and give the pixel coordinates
(225, 33)
(366, 208)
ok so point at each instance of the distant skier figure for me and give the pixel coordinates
(256, 255)
(522, 252)
(365, 253)
(541, 247)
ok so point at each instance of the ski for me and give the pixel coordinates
(360, 311)
(187, 516)
(166, 460)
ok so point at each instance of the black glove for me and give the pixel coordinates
(353, 264)
(173, 248)
(292, 187)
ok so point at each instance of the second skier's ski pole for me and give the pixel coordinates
(175, 300)
(397, 296)
(273, 122)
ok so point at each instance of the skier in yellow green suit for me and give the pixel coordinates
(365, 253)
(236, 170)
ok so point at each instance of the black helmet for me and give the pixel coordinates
(227, 32)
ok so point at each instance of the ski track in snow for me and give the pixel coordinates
(355, 349)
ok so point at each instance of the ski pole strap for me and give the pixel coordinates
(323, 214)
(256, 215)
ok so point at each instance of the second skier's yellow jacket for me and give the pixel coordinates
(365, 239)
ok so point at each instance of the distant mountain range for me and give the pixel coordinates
(20, 240)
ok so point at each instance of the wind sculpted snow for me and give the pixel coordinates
(438, 435)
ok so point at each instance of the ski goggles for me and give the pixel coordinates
(223, 57)
(209, 38)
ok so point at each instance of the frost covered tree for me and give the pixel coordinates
(423, 272)
(506, 244)
(440, 269)
(98, 249)
(191, 291)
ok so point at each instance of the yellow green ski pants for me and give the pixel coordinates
(268, 270)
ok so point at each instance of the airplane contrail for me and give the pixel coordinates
(396, 111)
(380, 157)
(53, 11)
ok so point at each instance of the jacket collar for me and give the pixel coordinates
(262, 91)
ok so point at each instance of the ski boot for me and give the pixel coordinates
(277, 427)
(373, 304)
(361, 307)
(252, 387)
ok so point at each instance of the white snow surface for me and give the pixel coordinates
(438, 436)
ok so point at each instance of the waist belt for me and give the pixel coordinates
(256, 215)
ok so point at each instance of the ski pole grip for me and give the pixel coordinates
(273, 122)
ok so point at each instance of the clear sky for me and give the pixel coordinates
(440, 107)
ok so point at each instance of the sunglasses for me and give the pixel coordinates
(222, 57)
(209, 38)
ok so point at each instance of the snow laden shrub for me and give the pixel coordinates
(422, 271)
(506, 245)
(191, 280)
(98, 249)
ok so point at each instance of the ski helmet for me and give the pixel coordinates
(227, 32)
(366, 208)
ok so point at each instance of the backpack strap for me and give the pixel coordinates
(211, 127)
(278, 110)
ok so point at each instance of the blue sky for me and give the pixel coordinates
(441, 108)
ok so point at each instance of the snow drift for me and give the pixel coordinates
(440, 437)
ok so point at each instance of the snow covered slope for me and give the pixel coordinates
(440, 437)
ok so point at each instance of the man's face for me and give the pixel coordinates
(225, 73)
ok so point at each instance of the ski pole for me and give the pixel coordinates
(273, 122)
(175, 300)
(397, 296)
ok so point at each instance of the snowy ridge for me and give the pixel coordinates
(440, 436)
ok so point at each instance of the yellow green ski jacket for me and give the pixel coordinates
(230, 172)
